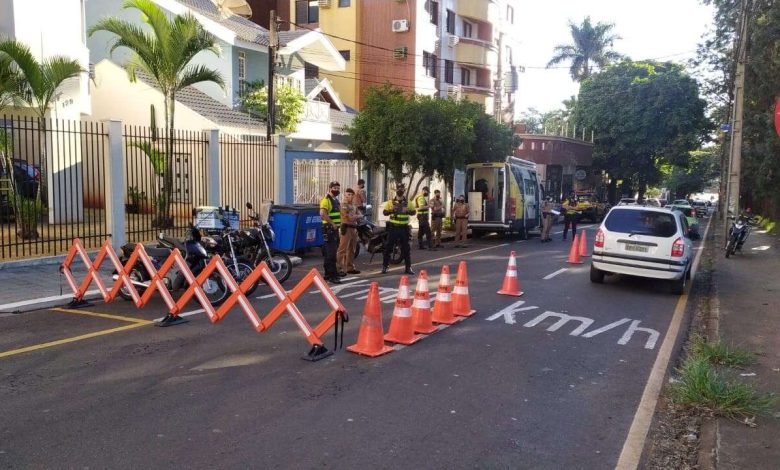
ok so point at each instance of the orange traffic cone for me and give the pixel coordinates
(574, 253)
(584, 243)
(370, 341)
(402, 323)
(511, 284)
(461, 304)
(421, 308)
(442, 307)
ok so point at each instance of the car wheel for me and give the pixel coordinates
(678, 286)
(596, 275)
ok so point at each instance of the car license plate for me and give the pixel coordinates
(639, 248)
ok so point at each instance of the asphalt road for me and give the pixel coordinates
(518, 385)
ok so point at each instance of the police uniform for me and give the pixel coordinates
(398, 230)
(570, 216)
(460, 212)
(547, 217)
(424, 226)
(437, 214)
(330, 235)
(348, 239)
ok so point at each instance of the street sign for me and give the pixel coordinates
(725, 127)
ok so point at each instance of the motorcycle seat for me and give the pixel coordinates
(174, 242)
(157, 252)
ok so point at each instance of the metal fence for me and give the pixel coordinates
(247, 172)
(311, 178)
(149, 207)
(51, 189)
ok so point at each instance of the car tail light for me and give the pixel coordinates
(678, 248)
(599, 240)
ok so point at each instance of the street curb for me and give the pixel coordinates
(708, 449)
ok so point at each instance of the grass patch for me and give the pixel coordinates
(704, 389)
(721, 354)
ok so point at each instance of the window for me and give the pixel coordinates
(343, 3)
(449, 71)
(310, 70)
(307, 11)
(429, 62)
(510, 14)
(450, 21)
(467, 29)
(434, 11)
(465, 77)
(656, 224)
(345, 54)
(241, 72)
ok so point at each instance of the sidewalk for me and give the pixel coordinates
(747, 290)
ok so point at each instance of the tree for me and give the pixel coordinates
(493, 141)
(9, 83)
(165, 54)
(591, 47)
(703, 167)
(644, 115)
(289, 105)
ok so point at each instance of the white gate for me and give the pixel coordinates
(311, 178)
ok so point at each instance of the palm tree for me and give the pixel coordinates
(164, 54)
(33, 83)
(591, 47)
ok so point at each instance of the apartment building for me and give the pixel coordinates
(457, 48)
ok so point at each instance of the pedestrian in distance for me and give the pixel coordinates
(460, 213)
(345, 255)
(547, 219)
(330, 213)
(422, 206)
(437, 216)
(399, 209)
(570, 215)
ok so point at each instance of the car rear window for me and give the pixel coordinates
(657, 224)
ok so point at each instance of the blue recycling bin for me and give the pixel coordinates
(297, 227)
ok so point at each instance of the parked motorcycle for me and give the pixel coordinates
(253, 245)
(195, 256)
(373, 239)
(224, 244)
(738, 233)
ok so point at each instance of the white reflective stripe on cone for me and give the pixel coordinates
(421, 303)
(511, 273)
(402, 312)
(461, 290)
(443, 296)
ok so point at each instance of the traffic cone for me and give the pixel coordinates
(511, 284)
(421, 308)
(584, 243)
(402, 323)
(370, 342)
(461, 304)
(442, 306)
(574, 253)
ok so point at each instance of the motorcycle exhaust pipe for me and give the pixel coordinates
(135, 283)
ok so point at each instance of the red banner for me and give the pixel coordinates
(777, 116)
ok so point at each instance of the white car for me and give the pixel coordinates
(646, 242)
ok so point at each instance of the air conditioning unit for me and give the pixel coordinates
(324, 3)
(455, 91)
(400, 52)
(400, 26)
(453, 40)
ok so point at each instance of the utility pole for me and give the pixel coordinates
(498, 111)
(735, 153)
(272, 45)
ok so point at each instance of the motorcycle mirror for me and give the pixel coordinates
(249, 205)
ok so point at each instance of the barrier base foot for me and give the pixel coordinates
(316, 353)
(170, 320)
(79, 303)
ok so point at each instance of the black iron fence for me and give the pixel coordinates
(51, 185)
(247, 172)
(162, 191)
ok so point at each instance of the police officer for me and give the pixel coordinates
(399, 209)
(437, 216)
(547, 218)
(424, 226)
(330, 213)
(569, 208)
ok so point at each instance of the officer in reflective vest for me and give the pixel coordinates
(570, 215)
(399, 209)
(330, 213)
(424, 225)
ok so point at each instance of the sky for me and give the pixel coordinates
(661, 29)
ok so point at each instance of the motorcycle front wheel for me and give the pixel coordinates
(215, 289)
(280, 265)
(244, 270)
(137, 276)
(731, 246)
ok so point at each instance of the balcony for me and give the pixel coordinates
(481, 10)
(476, 53)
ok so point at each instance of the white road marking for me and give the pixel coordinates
(550, 276)
(53, 298)
(509, 312)
(635, 441)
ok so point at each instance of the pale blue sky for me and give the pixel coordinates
(662, 29)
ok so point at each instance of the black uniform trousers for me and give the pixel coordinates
(424, 230)
(330, 236)
(397, 234)
(570, 220)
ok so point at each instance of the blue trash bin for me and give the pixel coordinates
(297, 227)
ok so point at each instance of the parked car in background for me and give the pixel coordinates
(646, 242)
(701, 208)
(690, 215)
(682, 201)
(590, 207)
(653, 202)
